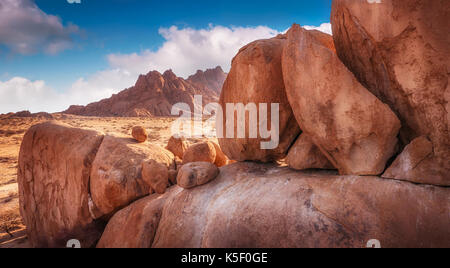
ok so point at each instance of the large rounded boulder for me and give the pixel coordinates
(256, 79)
(55, 162)
(353, 129)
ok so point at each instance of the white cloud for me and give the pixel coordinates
(324, 27)
(19, 94)
(26, 29)
(184, 51)
(187, 50)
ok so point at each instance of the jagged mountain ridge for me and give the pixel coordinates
(154, 94)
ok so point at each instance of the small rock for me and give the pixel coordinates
(177, 146)
(173, 176)
(416, 164)
(196, 174)
(139, 134)
(156, 175)
(221, 158)
(200, 152)
(304, 154)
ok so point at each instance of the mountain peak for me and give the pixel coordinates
(211, 78)
(155, 93)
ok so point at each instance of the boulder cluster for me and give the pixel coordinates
(72, 181)
(371, 101)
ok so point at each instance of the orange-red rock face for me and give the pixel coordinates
(55, 162)
(256, 77)
(399, 50)
(354, 129)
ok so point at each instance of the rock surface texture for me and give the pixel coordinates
(139, 134)
(116, 177)
(259, 205)
(55, 164)
(355, 130)
(399, 50)
(196, 174)
(304, 154)
(408, 165)
(177, 146)
(200, 152)
(256, 77)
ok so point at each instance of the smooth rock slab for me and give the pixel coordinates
(263, 206)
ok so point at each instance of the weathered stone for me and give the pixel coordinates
(116, 177)
(221, 158)
(304, 154)
(177, 146)
(256, 78)
(156, 175)
(134, 226)
(55, 162)
(354, 130)
(414, 162)
(196, 174)
(399, 50)
(200, 152)
(139, 134)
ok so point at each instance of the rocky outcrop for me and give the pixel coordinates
(154, 94)
(304, 154)
(116, 176)
(211, 78)
(256, 78)
(55, 164)
(28, 114)
(262, 206)
(399, 50)
(354, 129)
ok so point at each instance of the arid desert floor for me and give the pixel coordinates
(12, 130)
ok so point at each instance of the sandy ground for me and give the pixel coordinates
(12, 231)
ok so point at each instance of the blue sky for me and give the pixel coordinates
(98, 36)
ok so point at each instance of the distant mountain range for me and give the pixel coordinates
(154, 94)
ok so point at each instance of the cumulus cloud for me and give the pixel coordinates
(324, 27)
(26, 29)
(184, 51)
(19, 94)
(187, 50)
